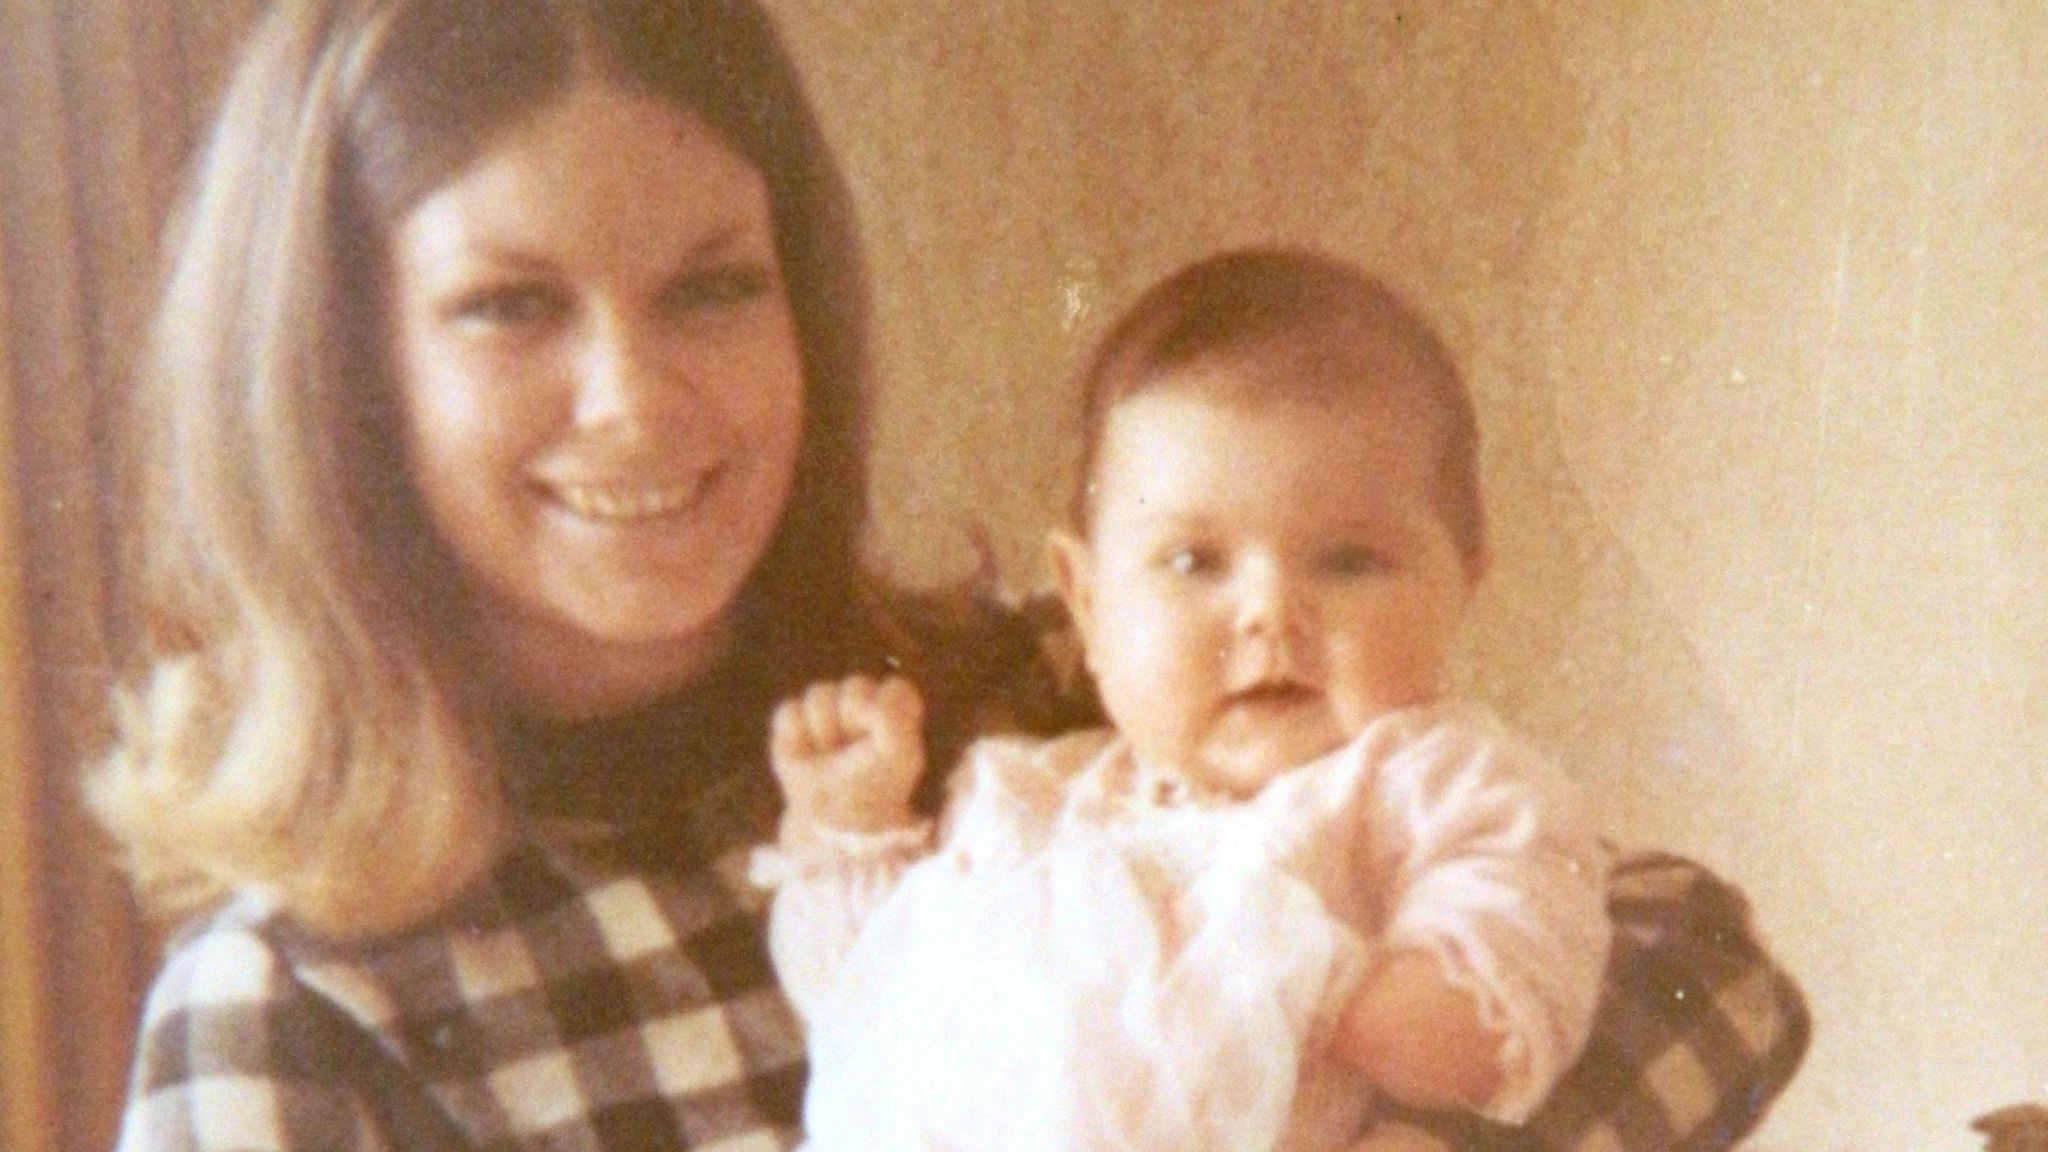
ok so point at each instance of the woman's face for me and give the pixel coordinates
(602, 391)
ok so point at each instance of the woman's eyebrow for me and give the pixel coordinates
(721, 240)
(511, 255)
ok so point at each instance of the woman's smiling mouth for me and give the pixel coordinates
(624, 503)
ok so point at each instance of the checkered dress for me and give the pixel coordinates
(557, 1006)
(597, 995)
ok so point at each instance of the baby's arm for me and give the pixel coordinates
(847, 755)
(1418, 1035)
(1496, 931)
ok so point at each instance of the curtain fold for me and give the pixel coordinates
(25, 1092)
(100, 104)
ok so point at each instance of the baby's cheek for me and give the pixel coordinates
(1143, 707)
(1151, 711)
(1370, 680)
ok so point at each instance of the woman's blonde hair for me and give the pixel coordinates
(297, 720)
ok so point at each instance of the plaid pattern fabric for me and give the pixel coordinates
(554, 1008)
(573, 1004)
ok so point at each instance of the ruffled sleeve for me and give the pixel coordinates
(1492, 867)
(827, 884)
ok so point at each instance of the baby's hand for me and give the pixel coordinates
(848, 753)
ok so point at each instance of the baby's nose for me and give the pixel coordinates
(1271, 603)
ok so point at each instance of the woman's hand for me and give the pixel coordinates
(849, 753)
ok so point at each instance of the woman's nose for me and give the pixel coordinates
(627, 377)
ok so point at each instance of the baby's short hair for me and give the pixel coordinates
(1329, 332)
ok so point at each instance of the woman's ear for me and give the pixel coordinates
(1072, 573)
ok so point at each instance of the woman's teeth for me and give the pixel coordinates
(620, 502)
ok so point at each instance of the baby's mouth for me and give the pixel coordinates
(1269, 696)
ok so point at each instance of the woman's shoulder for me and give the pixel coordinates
(219, 961)
(220, 1061)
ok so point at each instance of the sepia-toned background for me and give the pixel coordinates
(1754, 299)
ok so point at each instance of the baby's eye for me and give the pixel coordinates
(508, 306)
(1354, 560)
(1193, 560)
(716, 287)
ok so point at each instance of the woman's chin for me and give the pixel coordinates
(595, 653)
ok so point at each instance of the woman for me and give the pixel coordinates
(502, 465)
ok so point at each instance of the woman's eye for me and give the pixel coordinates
(508, 306)
(723, 286)
(1354, 560)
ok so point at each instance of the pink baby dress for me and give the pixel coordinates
(1101, 956)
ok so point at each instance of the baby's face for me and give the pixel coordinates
(1262, 581)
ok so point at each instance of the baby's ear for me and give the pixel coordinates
(1072, 568)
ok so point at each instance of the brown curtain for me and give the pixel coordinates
(100, 101)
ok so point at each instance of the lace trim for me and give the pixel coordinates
(818, 848)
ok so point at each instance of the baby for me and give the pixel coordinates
(1294, 878)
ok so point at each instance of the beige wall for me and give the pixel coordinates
(1754, 299)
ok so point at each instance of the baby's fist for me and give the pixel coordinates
(849, 753)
